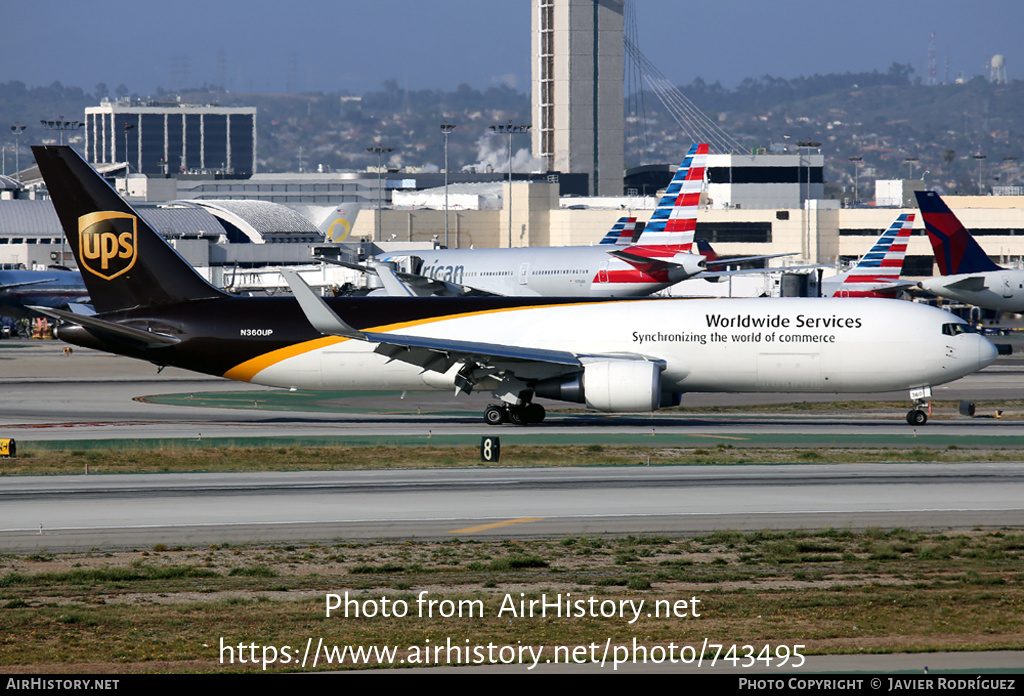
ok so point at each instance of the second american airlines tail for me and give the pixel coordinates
(621, 233)
(672, 225)
(877, 273)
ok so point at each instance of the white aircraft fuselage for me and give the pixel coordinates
(576, 271)
(1001, 290)
(719, 345)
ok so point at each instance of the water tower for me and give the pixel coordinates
(997, 69)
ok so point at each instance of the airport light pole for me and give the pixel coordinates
(127, 162)
(809, 145)
(980, 158)
(511, 130)
(911, 161)
(856, 179)
(61, 125)
(380, 183)
(1009, 162)
(446, 129)
(17, 129)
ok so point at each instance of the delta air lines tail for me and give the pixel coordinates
(956, 251)
(967, 273)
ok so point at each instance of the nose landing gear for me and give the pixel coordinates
(922, 406)
(916, 416)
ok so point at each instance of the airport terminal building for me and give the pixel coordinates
(739, 218)
(757, 204)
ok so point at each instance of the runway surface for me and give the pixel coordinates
(129, 511)
(74, 400)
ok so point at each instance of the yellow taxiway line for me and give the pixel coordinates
(495, 525)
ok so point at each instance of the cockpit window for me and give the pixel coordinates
(957, 329)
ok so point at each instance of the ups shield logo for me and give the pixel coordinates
(107, 243)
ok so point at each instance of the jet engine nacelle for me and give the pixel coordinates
(686, 266)
(609, 385)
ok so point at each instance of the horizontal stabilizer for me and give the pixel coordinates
(150, 339)
(11, 286)
(969, 284)
(82, 308)
(627, 255)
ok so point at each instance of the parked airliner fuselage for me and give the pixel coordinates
(545, 272)
(1001, 290)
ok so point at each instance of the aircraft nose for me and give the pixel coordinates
(987, 352)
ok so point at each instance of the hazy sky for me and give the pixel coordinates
(333, 45)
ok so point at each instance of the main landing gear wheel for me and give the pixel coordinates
(917, 417)
(517, 415)
(535, 413)
(526, 414)
(494, 414)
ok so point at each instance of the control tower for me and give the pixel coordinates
(578, 104)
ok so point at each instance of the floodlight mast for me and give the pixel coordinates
(380, 187)
(510, 130)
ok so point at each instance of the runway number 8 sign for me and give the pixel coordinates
(490, 449)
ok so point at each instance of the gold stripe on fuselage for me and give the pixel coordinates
(244, 372)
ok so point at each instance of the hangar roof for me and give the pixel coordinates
(237, 221)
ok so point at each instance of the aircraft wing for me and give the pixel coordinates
(742, 259)
(429, 353)
(478, 360)
(149, 338)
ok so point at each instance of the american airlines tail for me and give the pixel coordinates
(956, 251)
(123, 261)
(621, 232)
(882, 265)
(674, 220)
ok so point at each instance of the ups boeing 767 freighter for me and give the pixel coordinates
(612, 355)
